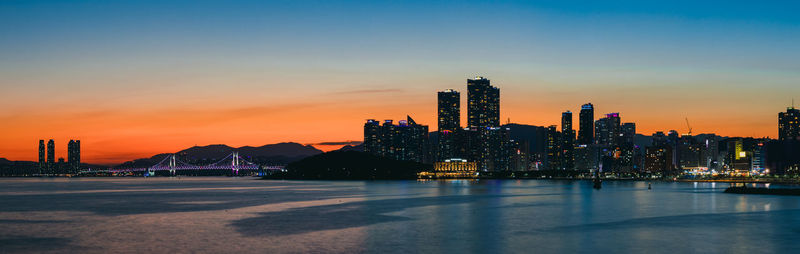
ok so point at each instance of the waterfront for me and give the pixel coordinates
(222, 214)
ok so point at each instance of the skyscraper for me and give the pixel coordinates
(586, 122)
(405, 141)
(554, 152)
(449, 119)
(607, 130)
(483, 109)
(42, 158)
(74, 155)
(449, 110)
(567, 141)
(51, 156)
(372, 137)
(789, 124)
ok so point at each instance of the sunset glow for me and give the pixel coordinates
(134, 81)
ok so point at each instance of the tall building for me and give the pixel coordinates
(483, 109)
(554, 151)
(567, 141)
(586, 125)
(627, 147)
(51, 156)
(406, 141)
(74, 155)
(607, 130)
(658, 159)
(587, 157)
(372, 137)
(789, 124)
(42, 157)
(496, 149)
(449, 124)
(449, 110)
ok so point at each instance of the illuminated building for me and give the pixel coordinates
(42, 157)
(586, 125)
(628, 150)
(372, 137)
(567, 141)
(495, 149)
(757, 165)
(607, 130)
(689, 153)
(553, 159)
(658, 159)
(452, 168)
(483, 109)
(405, 141)
(449, 110)
(789, 124)
(449, 123)
(740, 159)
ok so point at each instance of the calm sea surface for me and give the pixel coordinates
(229, 215)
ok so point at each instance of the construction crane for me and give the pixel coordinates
(689, 126)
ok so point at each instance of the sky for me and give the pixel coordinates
(131, 79)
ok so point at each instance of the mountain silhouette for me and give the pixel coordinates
(278, 154)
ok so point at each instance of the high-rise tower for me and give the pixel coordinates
(484, 103)
(586, 122)
(74, 155)
(42, 157)
(567, 141)
(51, 156)
(789, 124)
(449, 110)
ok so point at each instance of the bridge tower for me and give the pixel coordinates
(172, 164)
(235, 163)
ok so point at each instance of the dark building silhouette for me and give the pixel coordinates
(567, 141)
(51, 156)
(372, 137)
(607, 130)
(554, 157)
(407, 141)
(496, 149)
(74, 155)
(789, 124)
(449, 111)
(782, 157)
(586, 125)
(658, 159)
(42, 157)
(627, 147)
(483, 109)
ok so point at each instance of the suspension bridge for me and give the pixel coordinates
(232, 164)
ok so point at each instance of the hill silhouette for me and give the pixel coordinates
(279, 154)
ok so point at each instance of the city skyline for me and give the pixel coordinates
(134, 80)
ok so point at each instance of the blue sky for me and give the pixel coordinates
(728, 65)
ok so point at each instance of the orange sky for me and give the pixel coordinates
(119, 129)
(133, 79)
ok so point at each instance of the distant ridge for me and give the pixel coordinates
(356, 148)
(280, 153)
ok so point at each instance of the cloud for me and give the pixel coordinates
(370, 91)
(338, 143)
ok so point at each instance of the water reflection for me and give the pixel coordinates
(455, 216)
